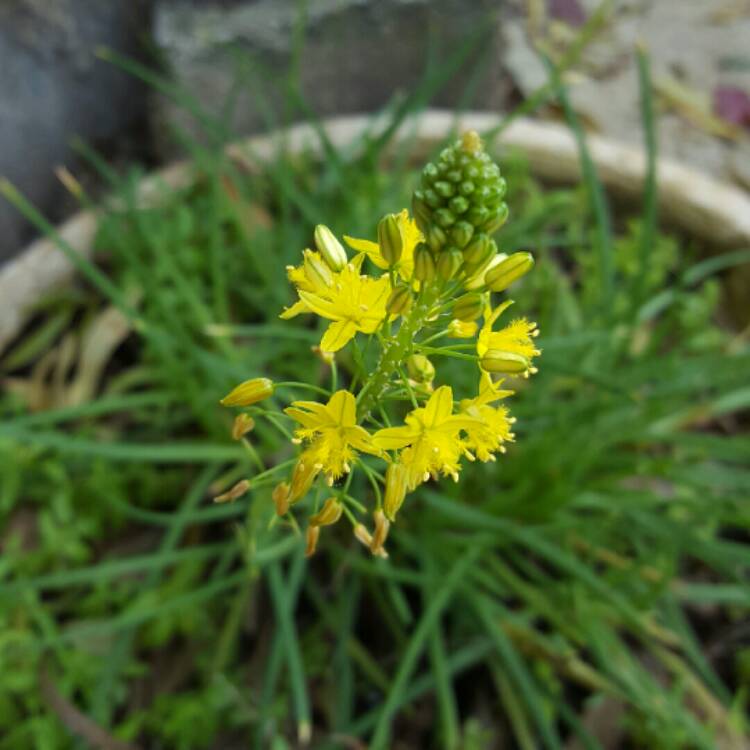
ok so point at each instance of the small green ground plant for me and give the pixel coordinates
(598, 569)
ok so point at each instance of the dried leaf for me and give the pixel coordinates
(694, 106)
(39, 340)
(98, 343)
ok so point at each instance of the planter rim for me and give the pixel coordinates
(714, 211)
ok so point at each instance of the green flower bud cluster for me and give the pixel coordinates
(458, 205)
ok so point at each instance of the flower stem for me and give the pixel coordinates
(393, 354)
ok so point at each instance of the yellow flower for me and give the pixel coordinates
(312, 275)
(410, 235)
(333, 433)
(352, 301)
(515, 338)
(429, 439)
(492, 425)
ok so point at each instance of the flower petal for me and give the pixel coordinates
(312, 408)
(338, 335)
(369, 248)
(305, 418)
(362, 440)
(323, 307)
(439, 407)
(343, 408)
(452, 425)
(297, 308)
(393, 438)
(490, 318)
(489, 391)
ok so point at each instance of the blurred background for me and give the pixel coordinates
(55, 86)
(590, 590)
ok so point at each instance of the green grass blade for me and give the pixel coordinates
(428, 621)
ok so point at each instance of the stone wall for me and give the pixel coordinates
(352, 55)
(356, 55)
(53, 87)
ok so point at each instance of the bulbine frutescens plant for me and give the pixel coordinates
(424, 290)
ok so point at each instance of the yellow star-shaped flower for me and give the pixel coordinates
(492, 424)
(333, 434)
(411, 237)
(429, 439)
(516, 338)
(352, 301)
(312, 275)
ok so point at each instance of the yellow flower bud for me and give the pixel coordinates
(243, 423)
(424, 263)
(476, 280)
(280, 497)
(459, 329)
(449, 262)
(318, 273)
(235, 493)
(469, 307)
(471, 142)
(395, 489)
(311, 540)
(480, 249)
(400, 300)
(302, 478)
(461, 233)
(508, 362)
(382, 525)
(499, 278)
(436, 237)
(498, 218)
(421, 212)
(390, 240)
(330, 248)
(249, 392)
(420, 368)
(328, 514)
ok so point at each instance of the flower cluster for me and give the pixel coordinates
(421, 292)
